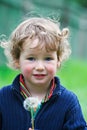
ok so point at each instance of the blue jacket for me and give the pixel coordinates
(61, 112)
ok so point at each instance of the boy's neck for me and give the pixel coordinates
(39, 91)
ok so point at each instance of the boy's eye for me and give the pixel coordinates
(31, 58)
(48, 58)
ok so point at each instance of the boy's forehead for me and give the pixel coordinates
(31, 43)
(39, 52)
(35, 45)
(35, 48)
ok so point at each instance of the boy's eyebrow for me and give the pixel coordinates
(30, 54)
(34, 54)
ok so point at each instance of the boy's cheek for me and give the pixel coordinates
(52, 69)
(27, 70)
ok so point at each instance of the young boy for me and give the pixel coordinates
(37, 47)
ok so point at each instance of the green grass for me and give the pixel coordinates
(73, 75)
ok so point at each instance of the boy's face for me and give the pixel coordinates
(38, 66)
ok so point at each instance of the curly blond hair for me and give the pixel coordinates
(45, 30)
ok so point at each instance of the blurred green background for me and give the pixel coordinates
(71, 14)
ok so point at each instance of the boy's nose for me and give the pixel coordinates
(39, 66)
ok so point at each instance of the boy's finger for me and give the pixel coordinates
(29, 129)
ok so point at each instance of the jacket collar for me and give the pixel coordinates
(57, 90)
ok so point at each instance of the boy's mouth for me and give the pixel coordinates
(39, 75)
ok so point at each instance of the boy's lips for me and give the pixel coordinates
(39, 75)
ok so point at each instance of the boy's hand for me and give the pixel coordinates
(29, 129)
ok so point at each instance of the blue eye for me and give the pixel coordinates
(31, 58)
(48, 58)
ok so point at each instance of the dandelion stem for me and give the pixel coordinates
(32, 118)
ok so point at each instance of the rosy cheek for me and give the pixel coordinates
(27, 70)
(51, 70)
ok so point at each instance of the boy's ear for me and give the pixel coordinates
(58, 64)
(16, 64)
